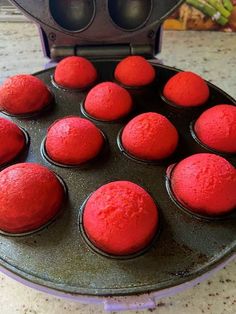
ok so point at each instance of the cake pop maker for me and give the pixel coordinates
(58, 259)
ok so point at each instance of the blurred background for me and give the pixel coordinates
(8, 13)
(204, 15)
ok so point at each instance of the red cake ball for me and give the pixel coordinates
(73, 140)
(206, 184)
(134, 71)
(186, 89)
(12, 141)
(150, 136)
(24, 94)
(216, 128)
(120, 218)
(108, 101)
(30, 196)
(75, 72)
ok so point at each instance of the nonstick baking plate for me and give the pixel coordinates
(58, 257)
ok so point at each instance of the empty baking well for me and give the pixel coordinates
(72, 15)
(130, 14)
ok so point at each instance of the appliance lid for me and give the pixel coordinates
(103, 28)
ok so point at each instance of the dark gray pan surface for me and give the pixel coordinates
(59, 258)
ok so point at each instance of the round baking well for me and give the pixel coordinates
(72, 15)
(130, 14)
(162, 265)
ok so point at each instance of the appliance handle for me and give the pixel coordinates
(140, 302)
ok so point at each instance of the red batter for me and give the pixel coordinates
(120, 218)
(73, 141)
(30, 195)
(186, 89)
(75, 72)
(108, 101)
(150, 136)
(12, 141)
(216, 128)
(24, 94)
(135, 71)
(206, 183)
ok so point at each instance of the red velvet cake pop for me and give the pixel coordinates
(24, 94)
(134, 71)
(12, 141)
(30, 196)
(150, 136)
(186, 89)
(73, 140)
(108, 101)
(120, 218)
(216, 128)
(206, 184)
(75, 73)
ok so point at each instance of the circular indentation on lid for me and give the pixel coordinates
(72, 15)
(130, 15)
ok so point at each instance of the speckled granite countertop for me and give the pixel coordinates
(212, 55)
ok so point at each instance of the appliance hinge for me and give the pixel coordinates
(101, 51)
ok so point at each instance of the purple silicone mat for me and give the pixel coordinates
(58, 258)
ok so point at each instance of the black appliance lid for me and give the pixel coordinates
(99, 27)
